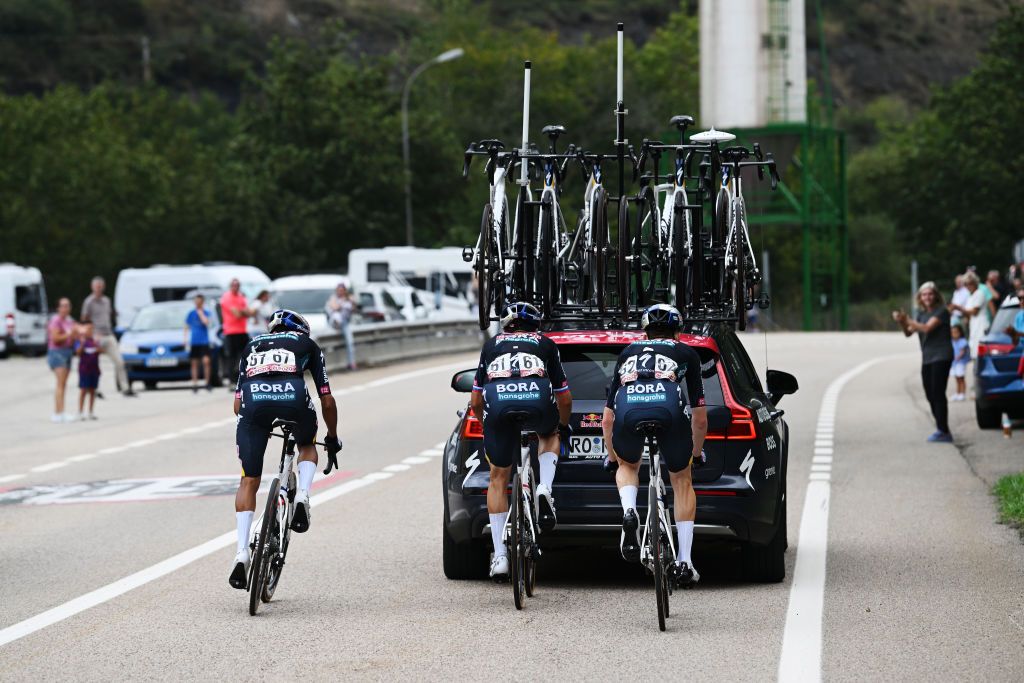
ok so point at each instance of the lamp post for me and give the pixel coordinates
(447, 56)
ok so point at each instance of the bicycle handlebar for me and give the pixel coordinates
(315, 443)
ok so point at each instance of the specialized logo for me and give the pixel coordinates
(516, 365)
(517, 391)
(278, 391)
(273, 360)
(472, 463)
(590, 421)
(746, 466)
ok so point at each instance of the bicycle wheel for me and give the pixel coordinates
(681, 254)
(529, 561)
(740, 252)
(647, 257)
(483, 302)
(277, 557)
(696, 253)
(516, 570)
(261, 557)
(654, 538)
(599, 235)
(723, 216)
(623, 258)
(546, 277)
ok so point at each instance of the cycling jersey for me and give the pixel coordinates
(521, 372)
(271, 386)
(647, 386)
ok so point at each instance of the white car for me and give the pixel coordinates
(307, 294)
(22, 309)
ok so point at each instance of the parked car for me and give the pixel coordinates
(741, 489)
(998, 387)
(23, 310)
(377, 305)
(153, 346)
(307, 294)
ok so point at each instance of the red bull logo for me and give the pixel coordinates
(590, 421)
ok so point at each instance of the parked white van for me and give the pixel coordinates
(307, 294)
(23, 311)
(441, 276)
(137, 287)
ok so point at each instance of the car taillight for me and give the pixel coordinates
(742, 426)
(10, 323)
(472, 428)
(990, 349)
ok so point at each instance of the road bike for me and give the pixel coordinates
(553, 235)
(269, 545)
(521, 529)
(587, 257)
(657, 547)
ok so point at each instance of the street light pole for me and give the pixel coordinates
(440, 59)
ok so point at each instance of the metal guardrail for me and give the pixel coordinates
(389, 342)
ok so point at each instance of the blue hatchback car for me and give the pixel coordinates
(153, 346)
(998, 386)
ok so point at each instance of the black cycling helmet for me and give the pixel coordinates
(661, 318)
(289, 321)
(520, 316)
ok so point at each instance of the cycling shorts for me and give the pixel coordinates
(254, 422)
(659, 400)
(501, 433)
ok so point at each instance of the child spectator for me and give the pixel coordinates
(961, 355)
(88, 352)
(197, 340)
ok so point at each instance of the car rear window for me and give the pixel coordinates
(29, 299)
(1004, 318)
(589, 371)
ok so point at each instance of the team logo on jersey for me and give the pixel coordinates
(277, 391)
(646, 392)
(517, 391)
(590, 421)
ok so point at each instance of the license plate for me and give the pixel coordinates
(587, 447)
(161, 362)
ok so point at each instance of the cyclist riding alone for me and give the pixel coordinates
(646, 386)
(270, 387)
(520, 370)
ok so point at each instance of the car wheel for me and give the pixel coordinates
(767, 563)
(150, 384)
(463, 560)
(988, 418)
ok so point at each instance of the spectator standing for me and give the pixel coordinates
(959, 298)
(961, 356)
(973, 311)
(340, 308)
(263, 311)
(1016, 330)
(932, 327)
(197, 339)
(234, 309)
(60, 340)
(98, 310)
(994, 284)
(88, 352)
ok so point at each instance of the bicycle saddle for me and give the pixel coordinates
(488, 144)
(553, 131)
(285, 425)
(519, 416)
(681, 121)
(648, 427)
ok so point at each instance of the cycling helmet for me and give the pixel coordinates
(288, 321)
(661, 318)
(520, 316)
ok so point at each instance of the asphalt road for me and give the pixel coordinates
(920, 581)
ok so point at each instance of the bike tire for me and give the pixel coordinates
(516, 569)
(260, 558)
(529, 563)
(654, 538)
(723, 213)
(482, 276)
(649, 265)
(274, 572)
(622, 259)
(741, 264)
(599, 231)
(696, 274)
(546, 285)
(682, 252)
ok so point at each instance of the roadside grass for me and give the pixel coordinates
(1010, 492)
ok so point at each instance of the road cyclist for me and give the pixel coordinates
(270, 387)
(647, 385)
(520, 371)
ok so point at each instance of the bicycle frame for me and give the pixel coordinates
(525, 471)
(654, 470)
(732, 185)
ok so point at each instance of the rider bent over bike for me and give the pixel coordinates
(520, 370)
(270, 387)
(646, 386)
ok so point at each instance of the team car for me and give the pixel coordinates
(741, 488)
(999, 371)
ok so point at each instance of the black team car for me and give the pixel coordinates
(741, 489)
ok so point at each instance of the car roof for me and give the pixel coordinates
(623, 337)
(311, 281)
(1010, 302)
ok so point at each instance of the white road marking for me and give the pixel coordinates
(167, 436)
(432, 452)
(11, 477)
(821, 467)
(821, 458)
(49, 466)
(397, 467)
(139, 444)
(800, 659)
(377, 476)
(82, 458)
(823, 443)
(415, 460)
(114, 449)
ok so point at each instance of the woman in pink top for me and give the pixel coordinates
(60, 340)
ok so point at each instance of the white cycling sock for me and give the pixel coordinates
(244, 521)
(627, 494)
(685, 531)
(497, 532)
(307, 470)
(548, 461)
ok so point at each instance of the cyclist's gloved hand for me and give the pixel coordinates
(564, 432)
(333, 447)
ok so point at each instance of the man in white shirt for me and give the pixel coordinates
(974, 311)
(959, 298)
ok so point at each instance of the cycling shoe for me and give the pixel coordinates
(301, 517)
(499, 568)
(240, 571)
(546, 503)
(685, 575)
(629, 540)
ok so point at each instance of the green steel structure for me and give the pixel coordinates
(812, 160)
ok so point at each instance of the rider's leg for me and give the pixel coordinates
(627, 479)
(245, 507)
(307, 467)
(497, 505)
(686, 510)
(548, 447)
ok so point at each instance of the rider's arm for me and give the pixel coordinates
(238, 382)
(695, 391)
(606, 427)
(559, 383)
(564, 401)
(329, 407)
(476, 400)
